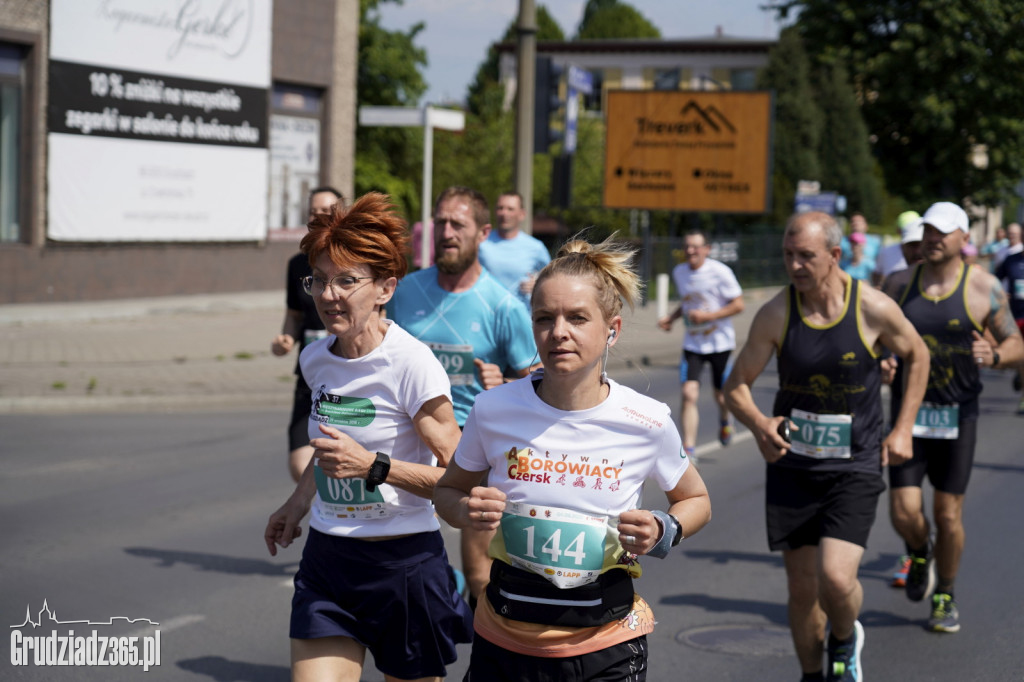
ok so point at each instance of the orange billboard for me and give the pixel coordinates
(688, 151)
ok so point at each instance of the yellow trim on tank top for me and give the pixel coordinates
(785, 324)
(860, 330)
(943, 297)
(967, 307)
(840, 318)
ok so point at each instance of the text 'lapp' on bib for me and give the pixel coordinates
(457, 361)
(822, 436)
(937, 421)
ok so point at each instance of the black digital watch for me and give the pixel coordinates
(378, 471)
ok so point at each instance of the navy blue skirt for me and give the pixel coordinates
(398, 598)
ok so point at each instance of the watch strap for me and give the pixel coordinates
(378, 471)
(670, 530)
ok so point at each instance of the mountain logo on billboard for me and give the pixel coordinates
(710, 115)
(694, 120)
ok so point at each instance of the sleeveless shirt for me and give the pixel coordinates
(945, 324)
(830, 370)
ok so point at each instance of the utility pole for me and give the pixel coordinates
(526, 54)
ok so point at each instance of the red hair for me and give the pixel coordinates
(370, 231)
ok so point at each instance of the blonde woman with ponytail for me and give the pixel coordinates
(566, 453)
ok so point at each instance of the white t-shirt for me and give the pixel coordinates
(890, 260)
(373, 400)
(709, 287)
(590, 461)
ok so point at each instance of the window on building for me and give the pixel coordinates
(666, 79)
(743, 79)
(593, 101)
(11, 74)
(295, 117)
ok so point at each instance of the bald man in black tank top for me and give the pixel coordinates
(822, 489)
(951, 304)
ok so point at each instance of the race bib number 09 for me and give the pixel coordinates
(564, 546)
(822, 436)
(937, 421)
(457, 361)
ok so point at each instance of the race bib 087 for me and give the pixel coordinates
(347, 498)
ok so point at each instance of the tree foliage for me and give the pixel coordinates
(844, 152)
(935, 78)
(610, 19)
(798, 121)
(485, 94)
(388, 74)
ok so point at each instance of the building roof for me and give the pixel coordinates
(715, 43)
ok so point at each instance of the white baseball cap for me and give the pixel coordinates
(914, 232)
(946, 217)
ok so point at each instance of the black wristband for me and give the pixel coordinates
(378, 472)
(995, 358)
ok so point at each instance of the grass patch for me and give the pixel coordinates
(243, 355)
(58, 385)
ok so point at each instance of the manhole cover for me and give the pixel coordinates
(744, 640)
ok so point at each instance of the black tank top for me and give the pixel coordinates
(945, 325)
(830, 370)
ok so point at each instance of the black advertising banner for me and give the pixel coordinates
(106, 102)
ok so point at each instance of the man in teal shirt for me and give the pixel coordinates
(477, 328)
(511, 255)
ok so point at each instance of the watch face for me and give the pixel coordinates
(379, 469)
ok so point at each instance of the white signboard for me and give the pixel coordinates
(157, 120)
(215, 40)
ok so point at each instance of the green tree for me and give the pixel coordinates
(798, 121)
(388, 74)
(485, 95)
(481, 156)
(609, 19)
(845, 152)
(936, 78)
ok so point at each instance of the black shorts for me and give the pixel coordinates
(693, 364)
(802, 506)
(302, 405)
(397, 598)
(947, 462)
(626, 662)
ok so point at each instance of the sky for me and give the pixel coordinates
(458, 32)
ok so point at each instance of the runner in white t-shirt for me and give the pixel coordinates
(374, 573)
(709, 296)
(566, 454)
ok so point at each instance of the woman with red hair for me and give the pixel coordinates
(374, 573)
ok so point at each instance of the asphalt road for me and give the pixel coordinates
(160, 517)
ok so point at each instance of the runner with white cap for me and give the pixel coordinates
(951, 304)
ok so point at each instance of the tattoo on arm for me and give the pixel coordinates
(1001, 322)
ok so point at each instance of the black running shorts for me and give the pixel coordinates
(804, 506)
(946, 462)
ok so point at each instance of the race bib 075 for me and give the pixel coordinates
(822, 436)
